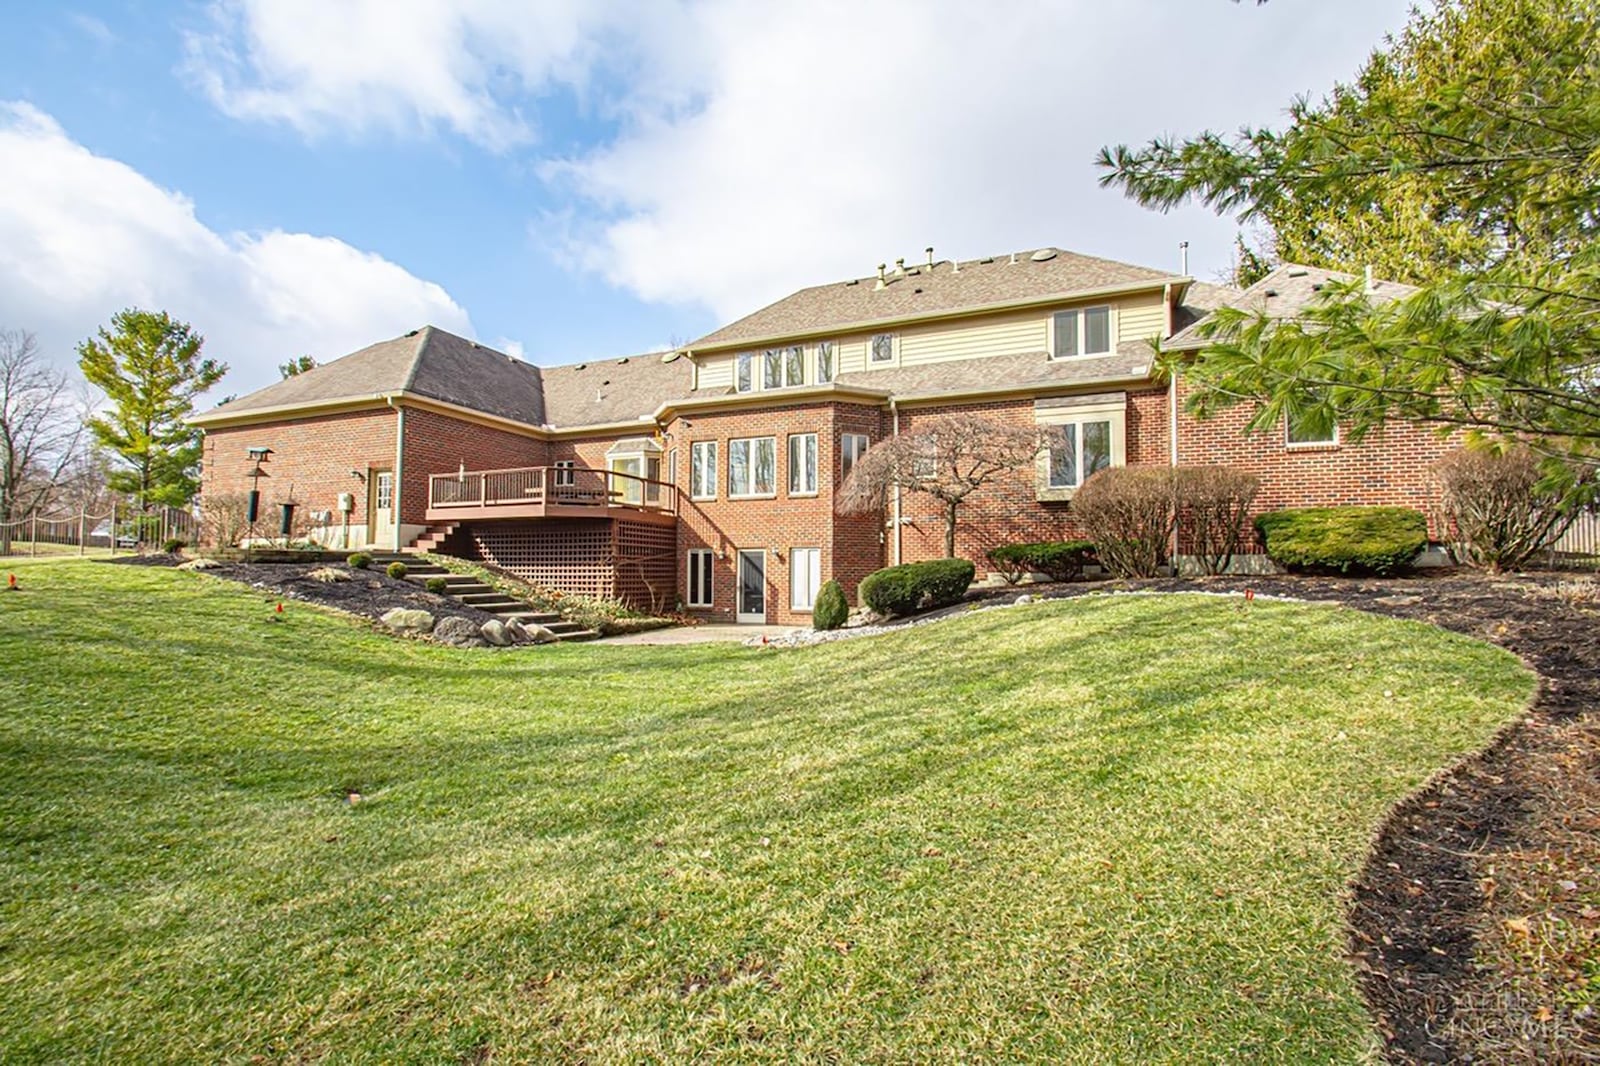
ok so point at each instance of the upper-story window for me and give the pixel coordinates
(744, 372)
(883, 348)
(824, 362)
(783, 367)
(566, 473)
(703, 469)
(1082, 332)
(803, 464)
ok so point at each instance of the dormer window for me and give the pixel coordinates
(1082, 332)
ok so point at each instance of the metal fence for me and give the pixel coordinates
(121, 528)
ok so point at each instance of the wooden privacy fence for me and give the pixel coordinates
(121, 527)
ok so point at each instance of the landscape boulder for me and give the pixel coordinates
(496, 633)
(538, 634)
(458, 631)
(199, 564)
(407, 620)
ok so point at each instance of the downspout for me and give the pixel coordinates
(399, 467)
(1172, 417)
(895, 412)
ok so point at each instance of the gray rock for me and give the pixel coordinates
(538, 634)
(1025, 598)
(496, 633)
(864, 616)
(407, 620)
(458, 631)
(199, 564)
(1398, 600)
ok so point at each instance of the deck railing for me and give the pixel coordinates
(550, 486)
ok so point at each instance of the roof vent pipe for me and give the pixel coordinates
(1183, 258)
(930, 258)
(881, 282)
(1013, 258)
(900, 267)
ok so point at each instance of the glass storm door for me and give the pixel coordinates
(752, 585)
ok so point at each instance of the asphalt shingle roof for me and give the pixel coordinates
(1284, 293)
(922, 290)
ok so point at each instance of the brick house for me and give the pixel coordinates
(705, 476)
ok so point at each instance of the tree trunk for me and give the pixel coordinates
(950, 529)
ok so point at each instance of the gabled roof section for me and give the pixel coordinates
(610, 391)
(1284, 293)
(426, 362)
(942, 289)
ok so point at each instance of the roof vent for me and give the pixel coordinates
(621, 361)
(916, 290)
(988, 260)
(1272, 292)
(1043, 255)
(1013, 259)
(413, 333)
(882, 283)
(670, 356)
(930, 258)
(852, 281)
(581, 366)
(1298, 273)
(900, 267)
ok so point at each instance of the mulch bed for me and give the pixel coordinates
(1475, 923)
(368, 593)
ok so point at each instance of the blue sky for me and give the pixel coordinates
(576, 179)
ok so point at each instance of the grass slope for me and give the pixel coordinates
(1116, 828)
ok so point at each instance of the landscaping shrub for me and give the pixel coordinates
(359, 560)
(1346, 540)
(1212, 502)
(223, 521)
(1501, 507)
(1059, 560)
(436, 585)
(174, 545)
(1127, 512)
(396, 570)
(831, 608)
(900, 590)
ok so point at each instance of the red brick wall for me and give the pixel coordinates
(439, 444)
(849, 546)
(1008, 509)
(1391, 467)
(312, 457)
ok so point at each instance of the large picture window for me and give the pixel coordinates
(703, 469)
(1082, 436)
(753, 466)
(699, 571)
(1077, 450)
(803, 464)
(1082, 332)
(805, 575)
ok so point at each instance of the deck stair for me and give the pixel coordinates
(433, 537)
(469, 591)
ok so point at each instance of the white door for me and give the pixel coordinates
(752, 606)
(380, 515)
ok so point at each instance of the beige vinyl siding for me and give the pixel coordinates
(714, 372)
(1137, 320)
(852, 356)
(1000, 335)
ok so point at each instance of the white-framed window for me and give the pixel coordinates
(772, 368)
(1302, 433)
(1083, 435)
(743, 372)
(703, 470)
(1082, 332)
(803, 464)
(794, 366)
(698, 588)
(883, 348)
(824, 362)
(1077, 450)
(852, 446)
(805, 577)
(753, 466)
(566, 473)
(783, 367)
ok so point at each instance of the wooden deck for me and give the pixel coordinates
(549, 492)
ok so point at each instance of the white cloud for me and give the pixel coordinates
(83, 236)
(762, 147)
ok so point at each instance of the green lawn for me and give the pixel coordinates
(1110, 829)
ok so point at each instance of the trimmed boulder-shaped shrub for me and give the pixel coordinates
(436, 585)
(1127, 512)
(831, 609)
(1344, 540)
(1212, 503)
(902, 590)
(359, 560)
(397, 570)
(1059, 560)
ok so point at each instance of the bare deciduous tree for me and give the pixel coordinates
(948, 457)
(39, 436)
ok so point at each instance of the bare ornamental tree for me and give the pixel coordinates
(40, 435)
(947, 457)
